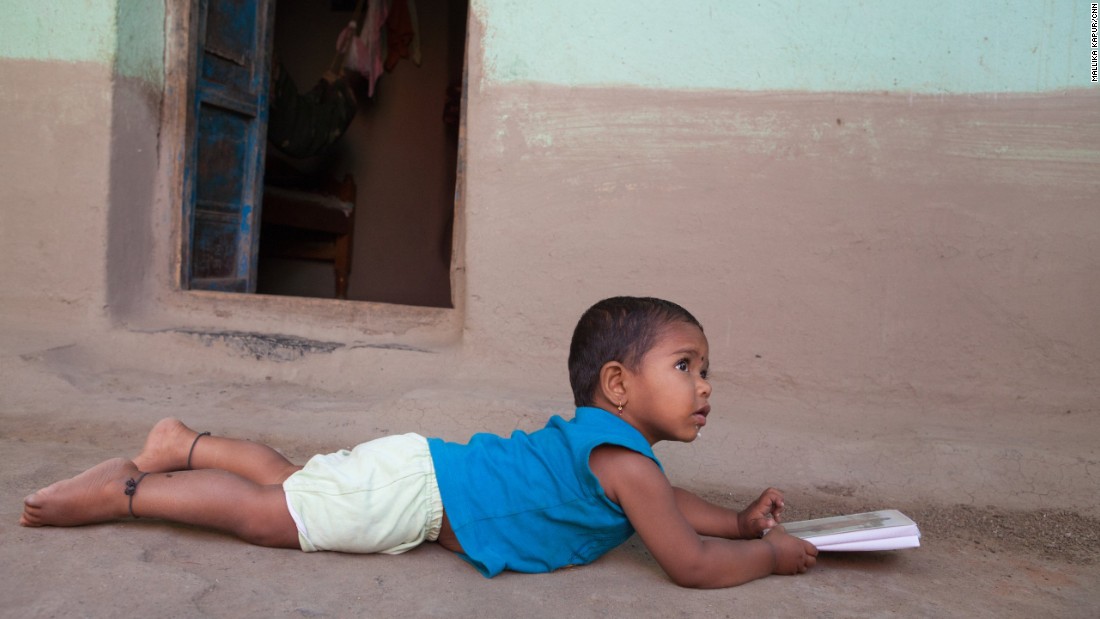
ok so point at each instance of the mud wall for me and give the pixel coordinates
(854, 200)
(857, 199)
(80, 90)
(840, 242)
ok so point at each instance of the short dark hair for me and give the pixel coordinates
(619, 329)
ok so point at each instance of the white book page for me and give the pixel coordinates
(865, 526)
(890, 543)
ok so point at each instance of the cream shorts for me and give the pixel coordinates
(381, 496)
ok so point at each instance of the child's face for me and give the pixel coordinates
(666, 398)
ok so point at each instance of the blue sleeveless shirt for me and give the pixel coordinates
(530, 503)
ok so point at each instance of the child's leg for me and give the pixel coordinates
(210, 498)
(171, 443)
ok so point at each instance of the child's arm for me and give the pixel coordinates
(716, 521)
(641, 489)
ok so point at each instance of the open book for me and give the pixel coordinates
(888, 529)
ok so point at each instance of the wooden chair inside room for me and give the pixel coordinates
(312, 224)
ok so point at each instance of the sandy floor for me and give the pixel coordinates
(1004, 534)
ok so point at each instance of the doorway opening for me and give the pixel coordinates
(385, 188)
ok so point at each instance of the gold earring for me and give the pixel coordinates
(620, 408)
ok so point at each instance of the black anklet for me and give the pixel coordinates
(131, 488)
(192, 452)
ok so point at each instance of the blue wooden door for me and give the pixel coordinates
(226, 134)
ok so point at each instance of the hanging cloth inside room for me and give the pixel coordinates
(402, 34)
(389, 31)
(302, 125)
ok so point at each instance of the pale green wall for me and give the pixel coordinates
(937, 46)
(126, 33)
(66, 30)
(932, 46)
(141, 39)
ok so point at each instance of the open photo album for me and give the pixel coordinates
(887, 529)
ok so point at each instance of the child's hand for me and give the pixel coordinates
(792, 555)
(761, 515)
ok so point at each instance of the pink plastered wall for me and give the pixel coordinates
(922, 246)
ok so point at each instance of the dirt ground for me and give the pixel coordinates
(68, 403)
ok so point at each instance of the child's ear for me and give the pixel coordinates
(613, 382)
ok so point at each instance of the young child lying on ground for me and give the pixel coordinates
(563, 495)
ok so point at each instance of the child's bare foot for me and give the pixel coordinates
(166, 447)
(96, 495)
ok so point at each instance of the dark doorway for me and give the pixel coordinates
(400, 151)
